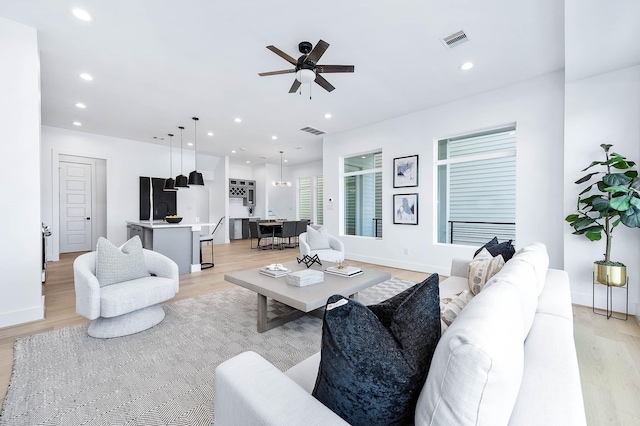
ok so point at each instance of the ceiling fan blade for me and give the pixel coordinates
(317, 52)
(294, 86)
(264, 74)
(335, 68)
(282, 55)
(324, 83)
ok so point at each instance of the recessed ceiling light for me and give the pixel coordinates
(210, 134)
(81, 105)
(82, 15)
(237, 119)
(248, 161)
(327, 115)
(466, 66)
(77, 123)
(233, 151)
(286, 161)
(274, 137)
(86, 76)
(190, 144)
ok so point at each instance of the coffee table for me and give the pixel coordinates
(303, 299)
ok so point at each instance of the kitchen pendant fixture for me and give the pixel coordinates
(170, 183)
(281, 182)
(195, 177)
(181, 181)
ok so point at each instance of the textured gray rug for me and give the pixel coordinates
(162, 376)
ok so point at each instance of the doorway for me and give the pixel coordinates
(82, 202)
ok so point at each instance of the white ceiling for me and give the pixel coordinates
(157, 63)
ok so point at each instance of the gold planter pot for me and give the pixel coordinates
(617, 275)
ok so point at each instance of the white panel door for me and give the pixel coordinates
(75, 207)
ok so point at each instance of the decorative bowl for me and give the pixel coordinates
(173, 219)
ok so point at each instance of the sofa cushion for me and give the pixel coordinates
(122, 298)
(329, 255)
(453, 286)
(550, 393)
(318, 240)
(482, 268)
(371, 374)
(116, 265)
(536, 255)
(476, 370)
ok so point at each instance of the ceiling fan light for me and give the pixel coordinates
(305, 76)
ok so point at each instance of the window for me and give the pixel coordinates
(363, 195)
(307, 201)
(477, 187)
(304, 198)
(319, 201)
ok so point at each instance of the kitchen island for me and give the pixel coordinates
(178, 241)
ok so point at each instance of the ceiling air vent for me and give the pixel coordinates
(455, 39)
(312, 131)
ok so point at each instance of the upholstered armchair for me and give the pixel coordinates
(326, 246)
(127, 307)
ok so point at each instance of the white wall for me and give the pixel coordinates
(535, 105)
(600, 109)
(20, 259)
(126, 160)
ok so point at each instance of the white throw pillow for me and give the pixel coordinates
(482, 268)
(318, 240)
(450, 308)
(115, 265)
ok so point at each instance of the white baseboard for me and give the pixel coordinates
(600, 301)
(35, 313)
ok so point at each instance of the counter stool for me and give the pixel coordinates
(205, 239)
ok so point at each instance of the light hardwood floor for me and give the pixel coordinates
(608, 350)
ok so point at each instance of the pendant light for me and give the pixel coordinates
(195, 177)
(170, 183)
(281, 182)
(181, 181)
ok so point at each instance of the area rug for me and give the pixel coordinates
(162, 376)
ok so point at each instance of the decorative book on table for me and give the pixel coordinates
(274, 272)
(305, 277)
(346, 271)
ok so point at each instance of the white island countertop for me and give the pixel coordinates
(158, 224)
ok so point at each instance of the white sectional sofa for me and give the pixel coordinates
(508, 358)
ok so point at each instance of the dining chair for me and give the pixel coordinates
(286, 231)
(255, 231)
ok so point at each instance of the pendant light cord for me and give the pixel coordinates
(181, 129)
(195, 143)
(170, 155)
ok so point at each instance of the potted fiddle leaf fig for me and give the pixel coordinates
(611, 200)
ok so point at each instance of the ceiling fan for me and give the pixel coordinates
(307, 68)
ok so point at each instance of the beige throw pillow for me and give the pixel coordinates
(482, 268)
(451, 307)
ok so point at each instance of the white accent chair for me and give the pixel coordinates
(128, 307)
(333, 254)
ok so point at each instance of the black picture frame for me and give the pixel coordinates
(405, 209)
(405, 171)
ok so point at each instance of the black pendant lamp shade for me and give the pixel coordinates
(195, 177)
(181, 181)
(170, 183)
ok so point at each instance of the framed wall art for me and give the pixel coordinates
(405, 209)
(405, 171)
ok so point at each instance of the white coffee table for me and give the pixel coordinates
(303, 299)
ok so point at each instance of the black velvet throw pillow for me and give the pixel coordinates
(492, 242)
(374, 361)
(505, 249)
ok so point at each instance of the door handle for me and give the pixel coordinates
(88, 218)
